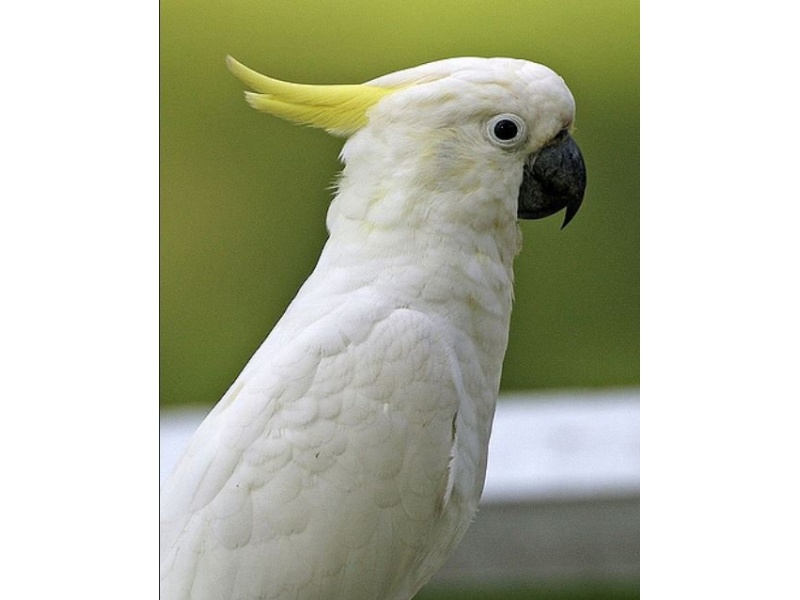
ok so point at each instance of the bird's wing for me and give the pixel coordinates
(333, 456)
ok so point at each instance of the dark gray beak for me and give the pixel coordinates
(554, 178)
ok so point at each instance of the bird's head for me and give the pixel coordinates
(465, 117)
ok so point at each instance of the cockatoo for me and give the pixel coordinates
(347, 459)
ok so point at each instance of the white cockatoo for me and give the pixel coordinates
(347, 459)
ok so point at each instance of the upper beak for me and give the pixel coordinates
(553, 179)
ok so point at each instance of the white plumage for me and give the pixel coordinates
(347, 459)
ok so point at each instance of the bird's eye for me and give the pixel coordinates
(506, 130)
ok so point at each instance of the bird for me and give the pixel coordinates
(347, 459)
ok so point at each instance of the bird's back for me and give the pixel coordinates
(331, 468)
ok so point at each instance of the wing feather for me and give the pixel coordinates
(330, 456)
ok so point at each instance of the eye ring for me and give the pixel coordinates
(506, 130)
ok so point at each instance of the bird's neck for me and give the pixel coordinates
(456, 270)
(407, 199)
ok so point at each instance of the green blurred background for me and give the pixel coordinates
(244, 195)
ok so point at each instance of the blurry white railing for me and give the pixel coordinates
(561, 500)
(544, 445)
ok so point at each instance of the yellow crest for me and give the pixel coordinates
(340, 109)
